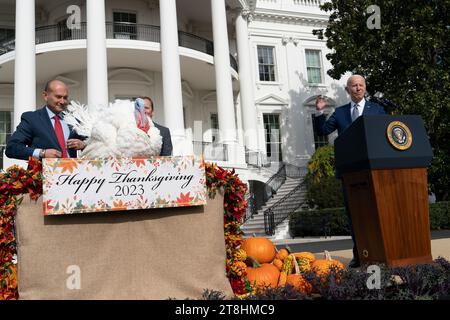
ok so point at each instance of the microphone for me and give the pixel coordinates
(378, 98)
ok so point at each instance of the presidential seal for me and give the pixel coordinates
(399, 135)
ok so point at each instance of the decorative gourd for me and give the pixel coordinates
(262, 275)
(305, 255)
(323, 266)
(277, 263)
(282, 279)
(282, 254)
(298, 281)
(288, 264)
(303, 264)
(259, 248)
(240, 255)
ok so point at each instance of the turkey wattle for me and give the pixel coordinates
(112, 131)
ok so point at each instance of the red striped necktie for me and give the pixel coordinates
(60, 135)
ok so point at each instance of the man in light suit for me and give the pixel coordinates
(340, 120)
(166, 148)
(43, 133)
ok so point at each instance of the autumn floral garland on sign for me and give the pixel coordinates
(16, 182)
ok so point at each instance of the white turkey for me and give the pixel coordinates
(119, 130)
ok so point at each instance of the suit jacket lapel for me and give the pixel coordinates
(367, 108)
(347, 114)
(48, 128)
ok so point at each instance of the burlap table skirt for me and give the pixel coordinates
(145, 254)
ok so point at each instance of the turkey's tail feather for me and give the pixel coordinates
(80, 118)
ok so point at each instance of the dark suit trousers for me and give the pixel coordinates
(350, 224)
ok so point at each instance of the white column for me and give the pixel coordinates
(24, 69)
(246, 83)
(171, 75)
(25, 60)
(224, 89)
(97, 65)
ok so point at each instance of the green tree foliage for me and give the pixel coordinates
(407, 59)
(323, 190)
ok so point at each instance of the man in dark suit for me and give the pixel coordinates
(342, 118)
(166, 149)
(43, 133)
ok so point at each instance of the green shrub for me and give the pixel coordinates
(324, 222)
(440, 215)
(333, 221)
(323, 190)
(327, 193)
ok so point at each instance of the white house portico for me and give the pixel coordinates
(232, 79)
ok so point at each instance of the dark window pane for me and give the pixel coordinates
(266, 63)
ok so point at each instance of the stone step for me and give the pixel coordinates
(253, 223)
(253, 230)
(257, 234)
(286, 205)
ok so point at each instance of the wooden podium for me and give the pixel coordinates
(383, 162)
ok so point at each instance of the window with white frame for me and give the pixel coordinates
(266, 63)
(125, 25)
(314, 65)
(214, 118)
(273, 137)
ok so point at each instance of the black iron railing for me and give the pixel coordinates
(275, 182)
(251, 206)
(117, 30)
(211, 150)
(256, 158)
(295, 172)
(274, 215)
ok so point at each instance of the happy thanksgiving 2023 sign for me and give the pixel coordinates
(81, 185)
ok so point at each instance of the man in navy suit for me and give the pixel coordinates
(342, 118)
(166, 148)
(43, 133)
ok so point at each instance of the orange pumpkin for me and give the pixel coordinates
(262, 275)
(282, 254)
(299, 282)
(323, 266)
(278, 263)
(259, 248)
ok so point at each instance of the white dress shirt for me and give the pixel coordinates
(65, 127)
(361, 105)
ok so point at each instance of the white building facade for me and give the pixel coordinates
(235, 80)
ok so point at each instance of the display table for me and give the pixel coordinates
(143, 254)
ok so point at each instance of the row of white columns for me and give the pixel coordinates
(97, 77)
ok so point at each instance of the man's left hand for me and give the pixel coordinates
(75, 144)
